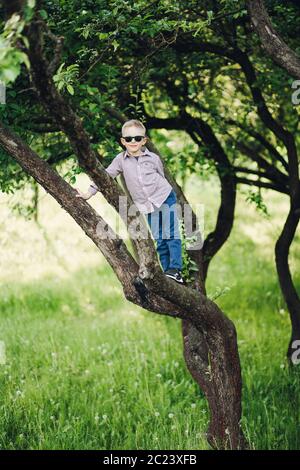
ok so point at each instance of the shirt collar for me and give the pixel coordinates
(143, 152)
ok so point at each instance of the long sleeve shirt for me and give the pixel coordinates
(144, 178)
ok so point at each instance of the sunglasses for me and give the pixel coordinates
(137, 138)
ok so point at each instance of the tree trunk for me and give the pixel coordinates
(285, 278)
(214, 364)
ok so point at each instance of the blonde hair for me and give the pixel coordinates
(134, 122)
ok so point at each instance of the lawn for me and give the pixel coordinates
(85, 369)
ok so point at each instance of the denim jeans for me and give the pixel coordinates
(163, 223)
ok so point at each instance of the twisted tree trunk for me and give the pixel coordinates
(213, 363)
(285, 240)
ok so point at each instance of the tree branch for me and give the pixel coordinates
(71, 125)
(271, 41)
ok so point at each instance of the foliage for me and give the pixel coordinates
(65, 77)
(188, 265)
(11, 58)
(256, 198)
(121, 53)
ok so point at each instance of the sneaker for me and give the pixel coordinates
(174, 274)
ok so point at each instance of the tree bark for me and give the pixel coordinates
(271, 42)
(213, 365)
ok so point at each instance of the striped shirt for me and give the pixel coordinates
(144, 178)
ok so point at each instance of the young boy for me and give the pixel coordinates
(151, 192)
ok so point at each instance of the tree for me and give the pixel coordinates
(274, 45)
(209, 337)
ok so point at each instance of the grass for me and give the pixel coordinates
(85, 369)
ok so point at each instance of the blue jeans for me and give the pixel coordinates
(163, 223)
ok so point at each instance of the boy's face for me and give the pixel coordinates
(133, 147)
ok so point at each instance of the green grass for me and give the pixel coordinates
(86, 369)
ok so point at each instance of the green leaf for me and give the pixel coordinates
(115, 44)
(10, 74)
(70, 89)
(26, 42)
(43, 14)
(102, 36)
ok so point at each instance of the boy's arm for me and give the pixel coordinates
(113, 170)
(90, 192)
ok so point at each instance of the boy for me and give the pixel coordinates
(151, 192)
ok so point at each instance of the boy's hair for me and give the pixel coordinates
(134, 122)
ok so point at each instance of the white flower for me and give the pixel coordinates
(171, 415)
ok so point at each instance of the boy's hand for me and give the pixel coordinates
(85, 196)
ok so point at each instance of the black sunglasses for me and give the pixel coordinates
(137, 138)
